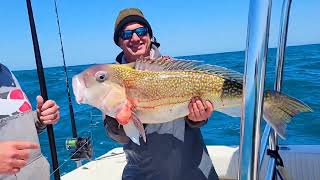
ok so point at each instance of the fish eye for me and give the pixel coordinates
(101, 76)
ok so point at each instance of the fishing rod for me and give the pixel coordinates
(73, 123)
(43, 89)
(80, 147)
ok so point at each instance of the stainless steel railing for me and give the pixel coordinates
(251, 155)
(255, 60)
(273, 138)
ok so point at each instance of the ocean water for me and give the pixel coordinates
(301, 80)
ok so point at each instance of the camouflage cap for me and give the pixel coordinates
(127, 16)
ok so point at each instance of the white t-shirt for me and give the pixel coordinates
(12, 99)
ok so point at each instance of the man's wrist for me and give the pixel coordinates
(39, 124)
(195, 124)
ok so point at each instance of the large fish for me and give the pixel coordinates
(159, 90)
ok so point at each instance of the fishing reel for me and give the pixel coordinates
(81, 148)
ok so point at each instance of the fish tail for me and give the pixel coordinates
(279, 108)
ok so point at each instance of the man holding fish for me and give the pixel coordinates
(146, 98)
(173, 150)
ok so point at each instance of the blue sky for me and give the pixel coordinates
(182, 28)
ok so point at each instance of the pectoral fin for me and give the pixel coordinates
(134, 129)
(139, 126)
(132, 132)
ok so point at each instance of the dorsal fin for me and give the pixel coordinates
(170, 64)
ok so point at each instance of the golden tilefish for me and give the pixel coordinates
(159, 90)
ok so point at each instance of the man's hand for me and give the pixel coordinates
(199, 110)
(48, 112)
(14, 155)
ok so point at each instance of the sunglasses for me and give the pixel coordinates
(127, 34)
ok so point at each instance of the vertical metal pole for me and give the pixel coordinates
(43, 88)
(264, 142)
(273, 138)
(282, 43)
(281, 54)
(255, 60)
(272, 161)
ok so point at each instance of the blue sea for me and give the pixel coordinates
(301, 80)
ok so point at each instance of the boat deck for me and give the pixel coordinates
(301, 161)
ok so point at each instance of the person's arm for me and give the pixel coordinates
(115, 130)
(199, 112)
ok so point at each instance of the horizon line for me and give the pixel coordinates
(232, 51)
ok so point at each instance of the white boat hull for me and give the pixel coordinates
(301, 161)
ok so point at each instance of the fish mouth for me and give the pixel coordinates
(78, 89)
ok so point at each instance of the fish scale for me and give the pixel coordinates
(160, 90)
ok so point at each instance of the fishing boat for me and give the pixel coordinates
(258, 156)
(255, 158)
(301, 162)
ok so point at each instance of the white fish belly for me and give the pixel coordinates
(162, 114)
